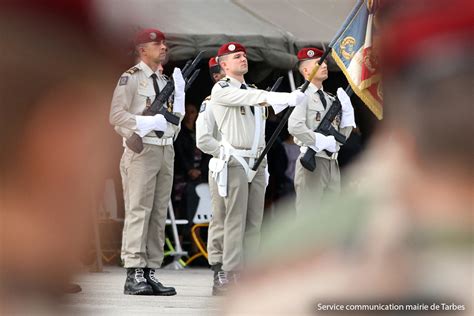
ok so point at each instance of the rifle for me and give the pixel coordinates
(158, 106)
(276, 85)
(308, 161)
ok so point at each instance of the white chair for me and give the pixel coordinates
(177, 252)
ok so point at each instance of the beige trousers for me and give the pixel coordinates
(215, 236)
(147, 180)
(243, 215)
(312, 186)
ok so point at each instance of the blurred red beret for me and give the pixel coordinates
(148, 35)
(439, 27)
(230, 48)
(309, 53)
(213, 62)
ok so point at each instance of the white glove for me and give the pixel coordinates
(324, 142)
(179, 95)
(281, 100)
(296, 97)
(146, 124)
(347, 117)
(179, 83)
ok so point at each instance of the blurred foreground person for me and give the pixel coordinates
(405, 236)
(54, 101)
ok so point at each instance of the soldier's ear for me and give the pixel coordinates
(305, 72)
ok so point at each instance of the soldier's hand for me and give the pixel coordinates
(179, 95)
(347, 117)
(179, 82)
(325, 143)
(159, 123)
(345, 100)
(146, 124)
(296, 97)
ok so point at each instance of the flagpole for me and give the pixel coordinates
(285, 118)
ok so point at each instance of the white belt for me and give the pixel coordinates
(155, 141)
(303, 150)
(240, 152)
(229, 150)
(158, 141)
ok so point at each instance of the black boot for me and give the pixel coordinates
(216, 268)
(136, 283)
(158, 288)
(221, 283)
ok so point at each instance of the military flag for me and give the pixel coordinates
(354, 54)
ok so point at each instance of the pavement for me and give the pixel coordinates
(102, 294)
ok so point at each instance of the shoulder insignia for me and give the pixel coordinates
(132, 70)
(252, 85)
(165, 77)
(204, 104)
(223, 84)
(123, 80)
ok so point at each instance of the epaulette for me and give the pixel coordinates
(224, 82)
(132, 70)
(252, 85)
(166, 77)
(203, 104)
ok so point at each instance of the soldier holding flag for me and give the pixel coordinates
(302, 124)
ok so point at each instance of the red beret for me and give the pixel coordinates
(148, 35)
(420, 31)
(309, 53)
(230, 48)
(212, 62)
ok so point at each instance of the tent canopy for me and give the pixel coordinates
(271, 30)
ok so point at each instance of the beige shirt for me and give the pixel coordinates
(307, 116)
(230, 106)
(207, 135)
(134, 91)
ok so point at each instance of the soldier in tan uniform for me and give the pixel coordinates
(239, 114)
(146, 176)
(302, 123)
(208, 140)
